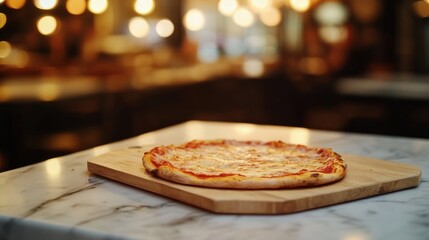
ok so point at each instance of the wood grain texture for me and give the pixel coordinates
(365, 177)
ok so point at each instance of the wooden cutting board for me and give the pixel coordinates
(366, 177)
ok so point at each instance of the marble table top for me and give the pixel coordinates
(60, 199)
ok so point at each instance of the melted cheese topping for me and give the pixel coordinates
(250, 160)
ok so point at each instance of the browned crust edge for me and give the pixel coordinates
(307, 179)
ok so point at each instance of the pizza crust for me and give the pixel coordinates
(237, 181)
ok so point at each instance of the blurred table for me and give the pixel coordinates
(396, 87)
(394, 105)
(60, 199)
(54, 115)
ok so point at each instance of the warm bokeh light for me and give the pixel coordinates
(164, 28)
(3, 20)
(259, 4)
(300, 5)
(47, 25)
(331, 13)
(271, 16)
(15, 4)
(45, 4)
(144, 7)
(76, 7)
(243, 17)
(227, 7)
(194, 20)
(5, 49)
(98, 6)
(421, 8)
(333, 34)
(253, 67)
(138, 27)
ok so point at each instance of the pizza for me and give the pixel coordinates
(234, 164)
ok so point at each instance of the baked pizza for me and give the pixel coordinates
(245, 164)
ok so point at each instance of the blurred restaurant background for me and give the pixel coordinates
(75, 74)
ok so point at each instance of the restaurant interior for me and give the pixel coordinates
(76, 74)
